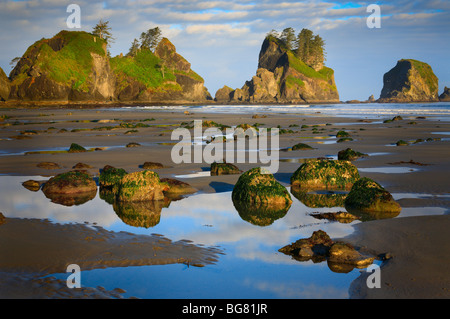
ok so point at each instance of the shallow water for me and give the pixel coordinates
(251, 267)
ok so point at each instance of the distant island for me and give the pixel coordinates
(75, 67)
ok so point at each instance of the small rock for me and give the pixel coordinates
(152, 165)
(32, 185)
(76, 148)
(81, 166)
(48, 165)
(133, 144)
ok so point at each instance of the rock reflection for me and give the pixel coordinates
(71, 199)
(367, 216)
(315, 200)
(140, 214)
(260, 215)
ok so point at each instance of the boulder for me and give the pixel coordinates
(344, 253)
(152, 165)
(325, 174)
(410, 81)
(140, 186)
(255, 187)
(110, 176)
(48, 165)
(32, 185)
(76, 148)
(224, 169)
(367, 195)
(72, 182)
(301, 146)
(350, 155)
(342, 134)
(176, 187)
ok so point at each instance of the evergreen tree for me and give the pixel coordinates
(150, 39)
(103, 31)
(134, 48)
(288, 38)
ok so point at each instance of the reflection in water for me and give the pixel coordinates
(314, 200)
(251, 268)
(366, 216)
(260, 215)
(71, 199)
(140, 214)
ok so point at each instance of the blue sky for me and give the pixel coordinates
(222, 39)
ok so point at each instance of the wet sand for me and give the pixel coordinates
(390, 235)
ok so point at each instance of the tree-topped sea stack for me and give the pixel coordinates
(325, 174)
(290, 70)
(410, 81)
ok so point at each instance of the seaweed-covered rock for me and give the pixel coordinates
(344, 253)
(301, 146)
(342, 134)
(401, 143)
(367, 195)
(224, 169)
(73, 182)
(76, 148)
(350, 155)
(325, 174)
(110, 176)
(254, 187)
(140, 186)
(176, 187)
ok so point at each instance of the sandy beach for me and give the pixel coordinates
(418, 244)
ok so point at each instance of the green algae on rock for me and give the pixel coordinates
(76, 148)
(255, 187)
(140, 186)
(350, 155)
(72, 182)
(325, 174)
(301, 146)
(367, 195)
(110, 176)
(224, 169)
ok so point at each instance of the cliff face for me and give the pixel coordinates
(283, 78)
(5, 87)
(410, 81)
(74, 66)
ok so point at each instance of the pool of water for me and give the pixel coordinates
(251, 266)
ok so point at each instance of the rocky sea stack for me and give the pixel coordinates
(284, 77)
(410, 81)
(74, 66)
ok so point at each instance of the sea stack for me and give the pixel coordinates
(409, 81)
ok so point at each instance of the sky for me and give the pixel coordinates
(222, 39)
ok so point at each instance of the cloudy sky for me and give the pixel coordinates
(222, 39)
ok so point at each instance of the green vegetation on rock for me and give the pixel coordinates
(325, 174)
(367, 195)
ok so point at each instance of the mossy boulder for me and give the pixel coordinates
(255, 187)
(110, 176)
(342, 134)
(73, 182)
(350, 155)
(140, 186)
(32, 185)
(367, 195)
(301, 146)
(76, 148)
(325, 174)
(176, 187)
(224, 169)
(401, 143)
